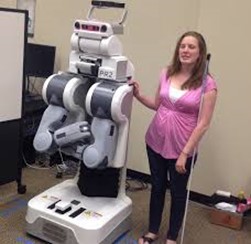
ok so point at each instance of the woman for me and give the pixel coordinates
(176, 130)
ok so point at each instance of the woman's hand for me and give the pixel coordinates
(135, 85)
(152, 103)
(181, 163)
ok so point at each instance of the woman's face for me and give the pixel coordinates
(189, 51)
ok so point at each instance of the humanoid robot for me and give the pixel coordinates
(87, 117)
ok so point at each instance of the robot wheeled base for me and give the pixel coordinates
(62, 215)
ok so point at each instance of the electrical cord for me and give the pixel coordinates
(134, 185)
(67, 168)
(33, 88)
(41, 167)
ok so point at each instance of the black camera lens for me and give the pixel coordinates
(103, 28)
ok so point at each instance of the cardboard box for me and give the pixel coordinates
(226, 218)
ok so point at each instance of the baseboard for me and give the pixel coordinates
(193, 196)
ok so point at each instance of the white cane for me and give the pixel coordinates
(194, 151)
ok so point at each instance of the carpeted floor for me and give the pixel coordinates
(198, 230)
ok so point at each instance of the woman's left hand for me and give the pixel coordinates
(181, 163)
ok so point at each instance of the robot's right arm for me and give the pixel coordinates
(63, 122)
(53, 118)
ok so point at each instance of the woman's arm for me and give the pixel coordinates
(152, 103)
(206, 115)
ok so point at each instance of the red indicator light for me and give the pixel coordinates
(90, 27)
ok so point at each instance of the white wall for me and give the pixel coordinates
(8, 4)
(150, 36)
(225, 160)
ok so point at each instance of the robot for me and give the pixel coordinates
(88, 118)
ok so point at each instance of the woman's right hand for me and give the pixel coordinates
(135, 85)
(148, 102)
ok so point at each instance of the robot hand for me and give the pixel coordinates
(72, 133)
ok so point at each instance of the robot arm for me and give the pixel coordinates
(63, 122)
(110, 105)
(52, 133)
(101, 152)
(72, 133)
(52, 119)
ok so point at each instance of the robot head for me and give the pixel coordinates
(96, 49)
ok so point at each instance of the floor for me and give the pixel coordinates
(198, 228)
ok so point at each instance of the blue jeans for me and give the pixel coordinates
(160, 168)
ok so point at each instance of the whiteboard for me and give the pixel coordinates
(13, 37)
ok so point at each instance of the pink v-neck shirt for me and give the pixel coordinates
(173, 123)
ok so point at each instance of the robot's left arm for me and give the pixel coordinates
(110, 105)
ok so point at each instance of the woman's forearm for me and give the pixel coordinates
(148, 102)
(195, 138)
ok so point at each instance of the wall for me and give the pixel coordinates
(8, 4)
(150, 35)
(225, 155)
